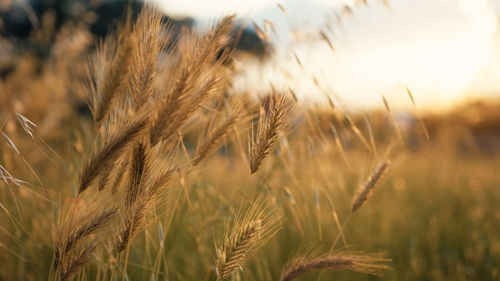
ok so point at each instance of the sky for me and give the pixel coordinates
(445, 51)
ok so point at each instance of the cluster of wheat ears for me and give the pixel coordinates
(143, 90)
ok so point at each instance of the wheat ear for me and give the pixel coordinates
(251, 228)
(274, 118)
(213, 140)
(89, 225)
(113, 76)
(110, 153)
(78, 262)
(365, 189)
(338, 261)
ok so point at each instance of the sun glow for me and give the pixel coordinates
(442, 58)
(442, 49)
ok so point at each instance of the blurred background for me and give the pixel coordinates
(447, 51)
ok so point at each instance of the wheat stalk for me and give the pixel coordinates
(251, 228)
(132, 223)
(274, 118)
(85, 227)
(213, 140)
(110, 152)
(365, 189)
(236, 254)
(336, 261)
(114, 75)
(148, 37)
(141, 195)
(197, 75)
(393, 121)
(419, 117)
(121, 169)
(177, 110)
(139, 171)
(78, 262)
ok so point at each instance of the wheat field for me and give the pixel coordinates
(172, 175)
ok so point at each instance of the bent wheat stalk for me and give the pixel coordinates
(110, 153)
(89, 225)
(334, 261)
(76, 263)
(365, 190)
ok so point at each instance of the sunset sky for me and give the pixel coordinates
(446, 51)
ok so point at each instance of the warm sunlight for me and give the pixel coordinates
(266, 140)
(441, 49)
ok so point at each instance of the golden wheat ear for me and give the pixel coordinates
(139, 171)
(86, 226)
(366, 188)
(76, 242)
(132, 223)
(142, 196)
(213, 139)
(113, 77)
(109, 71)
(110, 152)
(197, 74)
(149, 39)
(252, 227)
(77, 262)
(335, 261)
(274, 119)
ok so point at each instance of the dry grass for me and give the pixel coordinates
(141, 189)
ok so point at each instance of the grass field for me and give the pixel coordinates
(172, 176)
